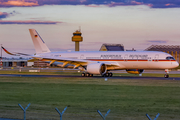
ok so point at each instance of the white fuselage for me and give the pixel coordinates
(122, 59)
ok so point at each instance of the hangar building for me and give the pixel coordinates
(112, 47)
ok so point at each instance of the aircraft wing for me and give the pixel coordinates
(76, 62)
(60, 59)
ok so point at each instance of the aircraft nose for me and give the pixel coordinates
(176, 64)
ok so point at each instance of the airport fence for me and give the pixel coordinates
(101, 116)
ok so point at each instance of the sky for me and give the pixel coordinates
(134, 23)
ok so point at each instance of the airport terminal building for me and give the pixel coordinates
(22, 62)
(14, 62)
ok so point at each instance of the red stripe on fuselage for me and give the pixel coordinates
(128, 60)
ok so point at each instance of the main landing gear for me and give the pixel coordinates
(166, 75)
(110, 74)
(86, 75)
(91, 75)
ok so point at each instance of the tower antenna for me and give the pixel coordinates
(79, 28)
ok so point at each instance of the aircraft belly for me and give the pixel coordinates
(147, 65)
(134, 64)
(159, 65)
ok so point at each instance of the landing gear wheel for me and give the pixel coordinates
(166, 76)
(110, 74)
(107, 75)
(91, 75)
(83, 74)
(87, 74)
(103, 75)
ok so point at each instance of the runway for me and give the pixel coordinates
(98, 77)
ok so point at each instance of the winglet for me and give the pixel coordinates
(7, 51)
(38, 42)
(16, 54)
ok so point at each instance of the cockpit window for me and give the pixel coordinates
(170, 58)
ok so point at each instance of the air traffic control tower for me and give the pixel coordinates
(77, 38)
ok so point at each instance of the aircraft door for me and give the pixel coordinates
(82, 57)
(126, 57)
(156, 58)
(149, 59)
(149, 62)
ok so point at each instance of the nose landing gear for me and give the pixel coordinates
(166, 75)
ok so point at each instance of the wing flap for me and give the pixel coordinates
(64, 60)
(76, 62)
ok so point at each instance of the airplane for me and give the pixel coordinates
(102, 62)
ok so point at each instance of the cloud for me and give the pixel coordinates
(11, 3)
(28, 22)
(92, 5)
(130, 2)
(3, 15)
(64, 2)
(113, 4)
(110, 3)
(82, 1)
(162, 3)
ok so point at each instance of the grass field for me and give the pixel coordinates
(128, 99)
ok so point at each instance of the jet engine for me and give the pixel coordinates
(96, 68)
(135, 71)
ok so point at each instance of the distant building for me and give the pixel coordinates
(174, 50)
(40, 64)
(14, 62)
(112, 47)
(22, 62)
(131, 49)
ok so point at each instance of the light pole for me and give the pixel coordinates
(1, 56)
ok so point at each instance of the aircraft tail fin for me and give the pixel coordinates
(38, 42)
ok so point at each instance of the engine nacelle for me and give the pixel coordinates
(96, 68)
(135, 71)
